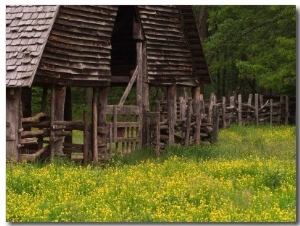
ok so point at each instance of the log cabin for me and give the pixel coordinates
(57, 47)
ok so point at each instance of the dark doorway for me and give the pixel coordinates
(123, 54)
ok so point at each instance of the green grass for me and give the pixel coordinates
(248, 176)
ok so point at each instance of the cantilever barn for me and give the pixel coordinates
(97, 48)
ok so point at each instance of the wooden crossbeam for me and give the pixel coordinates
(128, 88)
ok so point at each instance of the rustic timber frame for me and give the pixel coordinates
(97, 48)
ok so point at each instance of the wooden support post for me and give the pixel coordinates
(197, 112)
(85, 138)
(60, 96)
(188, 123)
(145, 97)
(86, 134)
(13, 99)
(44, 110)
(52, 117)
(68, 111)
(102, 134)
(115, 128)
(256, 108)
(271, 111)
(224, 111)
(158, 129)
(139, 91)
(287, 113)
(240, 109)
(171, 103)
(215, 124)
(94, 126)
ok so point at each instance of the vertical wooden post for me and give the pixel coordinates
(52, 116)
(13, 99)
(250, 99)
(281, 109)
(224, 111)
(215, 123)
(44, 110)
(210, 109)
(171, 103)
(261, 100)
(68, 112)
(145, 97)
(60, 96)
(240, 109)
(287, 113)
(158, 129)
(250, 104)
(188, 123)
(19, 125)
(85, 129)
(183, 106)
(115, 128)
(94, 127)
(271, 111)
(197, 112)
(102, 133)
(256, 108)
(139, 91)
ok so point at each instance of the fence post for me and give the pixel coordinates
(224, 111)
(197, 112)
(250, 99)
(256, 108)
(158, 129)
(210, 109)
(171, 106)
(215, 124)
(240, 109)
(287, 113)
(188, 123)
(261, 100)
(281, 109)
(271, 111)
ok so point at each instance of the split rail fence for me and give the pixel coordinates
(184, 121)
(194, 122)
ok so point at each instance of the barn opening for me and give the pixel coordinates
(123, 53)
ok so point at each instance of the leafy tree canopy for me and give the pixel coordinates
(252, 47)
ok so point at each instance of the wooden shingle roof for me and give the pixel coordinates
(71, 45)
(27, 31)
(78, 50)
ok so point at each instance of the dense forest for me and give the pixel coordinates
(249, 49)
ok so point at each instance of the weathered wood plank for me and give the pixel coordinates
(197, 112)
(171, 102)
(125, 109)
(94, 125)
(256, 108)
(129, 86)
(188, 123)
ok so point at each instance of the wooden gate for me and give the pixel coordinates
(124, 129)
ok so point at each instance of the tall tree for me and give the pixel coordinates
(251, 48)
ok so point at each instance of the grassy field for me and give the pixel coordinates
(248, 176)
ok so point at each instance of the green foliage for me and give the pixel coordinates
(249, 48)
